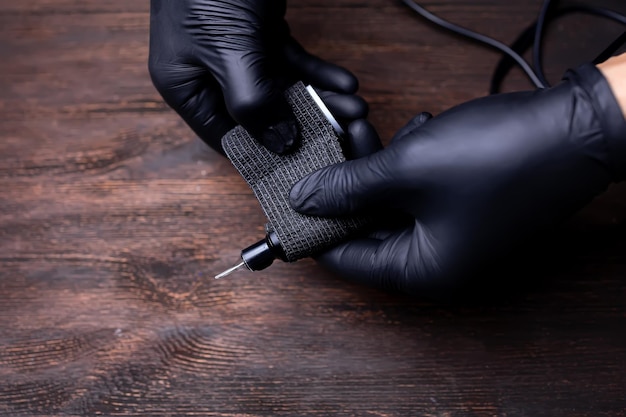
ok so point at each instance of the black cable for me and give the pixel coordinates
(546, 8)
(477, 37)
(601, 12)
(610, 50)
(532, 35)
(526, 38)
(521, 44)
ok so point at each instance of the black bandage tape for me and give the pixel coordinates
(271, 177)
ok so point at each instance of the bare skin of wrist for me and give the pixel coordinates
(614, 70)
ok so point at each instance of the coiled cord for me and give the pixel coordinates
(531, 36)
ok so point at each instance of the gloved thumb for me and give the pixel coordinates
(352, 185)
(256, 101)
(342, 188)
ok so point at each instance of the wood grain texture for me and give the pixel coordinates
(114, 218)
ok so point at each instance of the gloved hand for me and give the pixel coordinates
(474, 181)
(219, 63)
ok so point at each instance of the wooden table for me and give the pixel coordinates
(114, 218)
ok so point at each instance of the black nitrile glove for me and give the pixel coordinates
(475, 181)
(219, 63)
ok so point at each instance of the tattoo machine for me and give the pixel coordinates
(290, 235)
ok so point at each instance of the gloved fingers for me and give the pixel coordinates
(403, 261)
(345, 107)
(415, 123)
(388, 223)
(361, 140)
(254, 99)
(315, 71)
(347, 187)
(195, 95)
(354, 260)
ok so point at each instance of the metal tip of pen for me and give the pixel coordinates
(230, 270)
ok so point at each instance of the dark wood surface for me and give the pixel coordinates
(114, 218)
